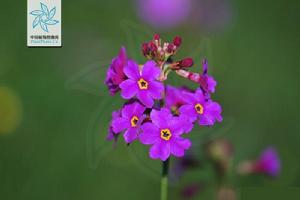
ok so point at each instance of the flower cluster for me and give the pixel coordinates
(154, 113)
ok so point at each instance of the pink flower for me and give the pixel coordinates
(164, 134)
(142, 84)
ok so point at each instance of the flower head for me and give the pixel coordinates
(164, 134)
(197, 107)
(142, 83)
(130, 120)
(115, 74)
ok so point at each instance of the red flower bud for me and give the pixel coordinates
(156, 37)
(145, 49)
(170, 48)
(152, 46)
(177, 41)
(185, 63)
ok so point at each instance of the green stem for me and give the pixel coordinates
(164, 180)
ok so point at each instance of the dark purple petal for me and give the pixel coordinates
(132, 70)
(129, 89)
(115, 74)
(150, 70)
(150, 134)
(130, 135)
(160, 150)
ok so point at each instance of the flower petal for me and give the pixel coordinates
(160, 117)
(119, 124)
(160, 150)
(132, 70)
(189, 111)
(129, 89)
(150, 70)
(134, 109)
(145, 98)
(156, 89)
(130, 135)
(179, 145)
(212, 112)
(150, 133)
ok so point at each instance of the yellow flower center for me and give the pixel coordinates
(134, 120)
(199, 108)
(143, 85)
(165, 134)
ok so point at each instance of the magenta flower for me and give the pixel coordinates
(142, 84)
(207, 83)
(130, 120)
(197, 107)
(115, 74)
(268, 163)
(164, 134)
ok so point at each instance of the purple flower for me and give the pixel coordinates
(207, 83)
(142, 84)
(197, 107)
(164, 13)
(115, 75)
(130, 120)
(268, 163)
(164, 134)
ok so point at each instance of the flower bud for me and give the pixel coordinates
(177, 41)
(145, 49)
(186, 63)
(156, 37)
(170, 48)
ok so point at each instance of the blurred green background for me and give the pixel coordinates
(55, 109)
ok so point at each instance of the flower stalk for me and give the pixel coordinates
(164, 180)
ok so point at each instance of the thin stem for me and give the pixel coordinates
(164, 180)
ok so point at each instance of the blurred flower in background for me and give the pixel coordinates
(207, 15)
(191, 190)
(268, 163)
(164, 14)
(220, 152)
(10, 110)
